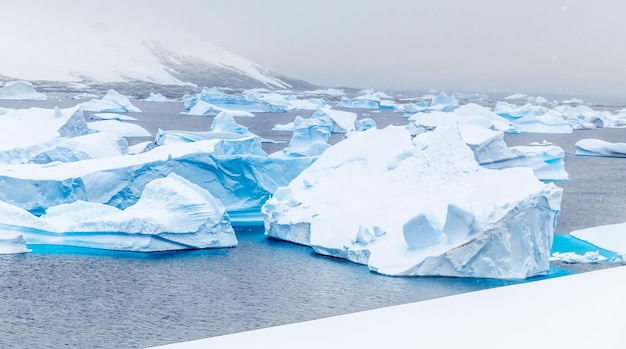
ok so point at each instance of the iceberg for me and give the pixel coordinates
(27, 127)
(157, 97)
(111, 116)
(20, 90)
(204, 108)
(475, 111)
(119, 128)
(242, 182)
(597, 147)
(171, 214)
(443, 102)
(367, 101)
(251, 102)
(608, 237)
(90, 146)
(310, 137)
(533, 119)
(12, 243)
(112, 102)
(343, 121)
(418, 205)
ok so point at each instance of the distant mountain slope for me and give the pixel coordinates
(101, 53)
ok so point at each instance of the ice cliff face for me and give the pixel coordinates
(418, 206)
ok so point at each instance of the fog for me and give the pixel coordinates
(551, 48)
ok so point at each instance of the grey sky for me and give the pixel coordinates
(536, 47)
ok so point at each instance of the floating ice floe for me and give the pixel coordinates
(443, 102)
(597, 147)
(369, 100)
(204, 108)
(533, 119)
(223, 127)
(119, 128)
(251, 102)
(171, 214)
(310, 137)
(111, 116)
(418, 206)
(608, 237)
(46, 135)
(343, 121)
(112, 102)
(157, 97)
(20, 90)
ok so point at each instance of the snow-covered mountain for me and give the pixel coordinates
(108, 53)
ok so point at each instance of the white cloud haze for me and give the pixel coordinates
(536, 47)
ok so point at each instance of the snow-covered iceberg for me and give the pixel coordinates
(63, 149)
(27, 127)
(418, 206)
(610, 237)
(119, 128)
(369, 100)
(533, 119)
(249, 101)
(20, 90)
(171, 214)
(310, 137)
(597, 147)
(242, 182)
(112, 102)
(343, 121)
(157, 97)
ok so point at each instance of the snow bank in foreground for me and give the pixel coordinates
(418, 206)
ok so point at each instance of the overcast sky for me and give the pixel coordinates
(544, 47)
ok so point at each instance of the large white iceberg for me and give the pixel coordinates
(112, 102)
(418, 206)
(172, 214)
(20, 90)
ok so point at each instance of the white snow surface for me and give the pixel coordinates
(420, 206)
(20, 90)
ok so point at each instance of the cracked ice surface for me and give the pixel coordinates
(418, 206)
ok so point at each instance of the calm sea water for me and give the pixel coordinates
(68, 297)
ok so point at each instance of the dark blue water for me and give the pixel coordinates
(83, 298)
(68, 297)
